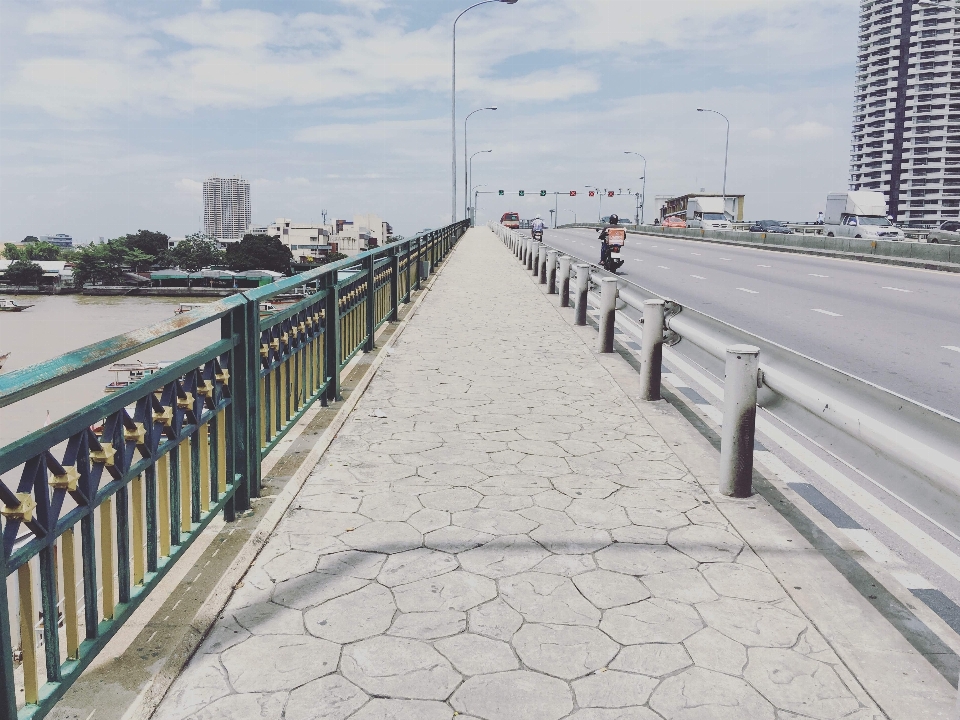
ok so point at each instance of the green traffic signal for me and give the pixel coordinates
(521, 193)
(501, 192)
(543, 193)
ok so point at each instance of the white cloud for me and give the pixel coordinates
(809, 130)
(763, 134)
(188, 185)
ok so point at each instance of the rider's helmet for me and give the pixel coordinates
(538, 217)
(614, 219)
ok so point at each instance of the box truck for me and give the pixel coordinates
(859, 214)
(707, 213)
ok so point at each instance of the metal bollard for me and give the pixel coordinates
(608, 313)
(583, 286)
(552, 272)
(564, 281)
(651, 350)
(529, 260)
(535, 260)
(542, 264)
(739, 420)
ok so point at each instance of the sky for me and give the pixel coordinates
(112, 113)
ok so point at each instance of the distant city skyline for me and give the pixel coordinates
(226, 207)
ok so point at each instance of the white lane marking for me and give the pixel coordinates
(870, 545)
(752, 292)
(897, 289)
(724, 258)
(912, 581)
(815, 275)
(766, 266)
(951, 347)
(663, 266)
(637, 260)
(693, 253)
(827, 312)
(698, 277)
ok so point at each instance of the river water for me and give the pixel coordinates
(57, 324)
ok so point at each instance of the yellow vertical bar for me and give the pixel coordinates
(139, 551)
(204, 439)
(185, 477)
(222, 451)
(106, 557)
(283, 377)
(71, 617)
(28, 638)
(263, 411)
(164, 520)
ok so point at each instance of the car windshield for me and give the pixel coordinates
(511, 216)
(714, 216)
(873, 220)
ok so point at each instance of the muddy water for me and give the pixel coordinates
(58, 324)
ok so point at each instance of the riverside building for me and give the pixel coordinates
(906, 126)
(226, 208)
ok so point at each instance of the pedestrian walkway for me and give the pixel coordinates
(498, 532)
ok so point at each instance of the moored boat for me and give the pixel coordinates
(126, 374)
(7, 305)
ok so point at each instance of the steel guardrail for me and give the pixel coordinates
(922, 439)
(97, 506)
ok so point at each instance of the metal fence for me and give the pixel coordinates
(104, 501)
(806, 393)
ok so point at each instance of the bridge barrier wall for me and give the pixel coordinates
(882, 248)
(99, 505)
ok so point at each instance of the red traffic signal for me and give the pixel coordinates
(610, 193)
(592, 193)
(573, 193)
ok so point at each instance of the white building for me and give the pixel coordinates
(304, 239)
(906, 128)
(226, 208)
(60, 240)
(364, 233)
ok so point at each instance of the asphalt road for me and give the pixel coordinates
(896, 327)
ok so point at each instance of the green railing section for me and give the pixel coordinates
(98, 506)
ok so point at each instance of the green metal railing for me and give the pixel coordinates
(99, 505)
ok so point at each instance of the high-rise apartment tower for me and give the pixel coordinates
(226, 208)
(906, 125)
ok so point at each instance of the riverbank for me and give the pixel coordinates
(126, 291)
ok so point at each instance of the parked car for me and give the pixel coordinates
(674, 221)
(510, 220)
(947, 234)
(771, 226)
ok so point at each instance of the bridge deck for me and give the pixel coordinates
(501, 532)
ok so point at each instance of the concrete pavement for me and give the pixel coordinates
(896, 327)
(501, 531)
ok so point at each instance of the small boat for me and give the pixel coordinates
(267, 309)
(3, 359)
(126, 374)
(187, 307)
(7, 305)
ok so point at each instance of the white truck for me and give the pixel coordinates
(707, 213)
(859, 214)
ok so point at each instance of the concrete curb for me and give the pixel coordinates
(834, 254)
(151, 697)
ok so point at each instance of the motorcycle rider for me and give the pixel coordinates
(614, 221)
(537, 225)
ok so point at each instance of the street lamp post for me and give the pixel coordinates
(726, 154)
(467, 180)
(643, 191)
(453, 106)
(476, 194)
(470, 165)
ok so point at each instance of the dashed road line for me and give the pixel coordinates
(746, 290)
(817, 275)
(698, 277)
(826, 312)
(897, 289)
(663, 267)
(952, 347)
(766, 266)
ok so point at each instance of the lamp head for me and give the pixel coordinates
(509, 2)
(491, 108)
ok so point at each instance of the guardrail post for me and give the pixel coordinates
(416, 261)
(243, 444)
(552, 272)
(542, 264)
(530, 251)
(608, 313)
(394, 284)
(651, 350)
(739, 420)
(583, 286)
(564, 281)
(8, 694)
(331, 342)
(371, 300)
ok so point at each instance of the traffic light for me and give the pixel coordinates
(543, 193)
(521, 193)
(500, 192)
(573, 193)
(592, 193)
(610, 193)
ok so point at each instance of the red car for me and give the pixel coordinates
(510, 220)
(674, 221)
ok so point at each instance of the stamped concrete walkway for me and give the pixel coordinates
(498, 533)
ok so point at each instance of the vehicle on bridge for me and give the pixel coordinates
(674, 221)
(947, 234)
(859, 214)
(771, 226)
(510, 220)
(707, 213)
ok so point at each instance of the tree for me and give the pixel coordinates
(101, 264)
(195, 252)
(138, 259)
(24, 272)
(41, 251)
(148, 242)
(12, 252)
(259, 252)
(31, 238)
